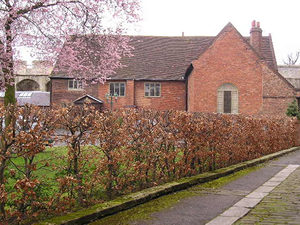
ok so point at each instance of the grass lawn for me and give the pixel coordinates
(45, 174)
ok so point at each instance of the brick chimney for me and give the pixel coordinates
(256, 36)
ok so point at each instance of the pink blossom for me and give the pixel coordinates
(44, 25)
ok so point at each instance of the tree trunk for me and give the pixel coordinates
(2, 180)
(8, 66)
(9, 97)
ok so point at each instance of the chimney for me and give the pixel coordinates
(256, 36)
(182, 34)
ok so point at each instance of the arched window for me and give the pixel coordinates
(28, 85)
(228, 99)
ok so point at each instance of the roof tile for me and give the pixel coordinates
(167, 58)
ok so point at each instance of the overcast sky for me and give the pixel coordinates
(280, 18)
(207, 18)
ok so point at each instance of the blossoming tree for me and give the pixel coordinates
(45, 25)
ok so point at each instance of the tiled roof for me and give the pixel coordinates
(168, 58)
(267, 51)
(291, 73)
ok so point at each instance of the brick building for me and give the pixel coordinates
(227, 73)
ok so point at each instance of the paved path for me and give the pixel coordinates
(251, 201)
(281, 206)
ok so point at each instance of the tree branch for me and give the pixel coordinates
(40, 4)
(292, 59)
(38, 27)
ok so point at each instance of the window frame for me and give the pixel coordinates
(234, 105)
(154, 96)
(78, 84)
(119, 83)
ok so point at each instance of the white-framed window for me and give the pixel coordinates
(117, 88)
(25, 94)
(152, 89)
(228, 99)
(74, 84)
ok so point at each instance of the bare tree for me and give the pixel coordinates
(292, 58)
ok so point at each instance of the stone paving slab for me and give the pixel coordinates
(272, 183)
(265, 189)
(250, 201)
(223, 220)
(236, 212)
(256, 194)
(281, 206)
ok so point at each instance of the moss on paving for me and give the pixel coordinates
(144, 211)
(264, 212)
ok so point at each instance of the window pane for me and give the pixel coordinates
(227, 101)
(70, 83)
(117, 88)
(152, 90)
(111, 89)
(147, 90)
(122, 89)
(157, 90)
(75, 84)
(80, 84)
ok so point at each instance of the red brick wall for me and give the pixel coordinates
(297, 133)
(276, 106)
(172, 96)
(228, 60)
(121, 102)
(277, 93)
(60, 93)
(130, 92)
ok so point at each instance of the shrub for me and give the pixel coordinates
(293, 110)
(113, 153)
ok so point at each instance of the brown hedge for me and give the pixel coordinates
(124, 151)
(143, 148)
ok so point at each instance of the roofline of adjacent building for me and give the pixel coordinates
(112, 79)
(37, 75)
(280, 76)
(287, 66)
(89, 96)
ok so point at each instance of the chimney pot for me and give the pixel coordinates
(182, 34)
(253, 23)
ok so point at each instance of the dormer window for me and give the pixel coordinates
(74, 84)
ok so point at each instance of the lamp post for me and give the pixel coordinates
(111, 98)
